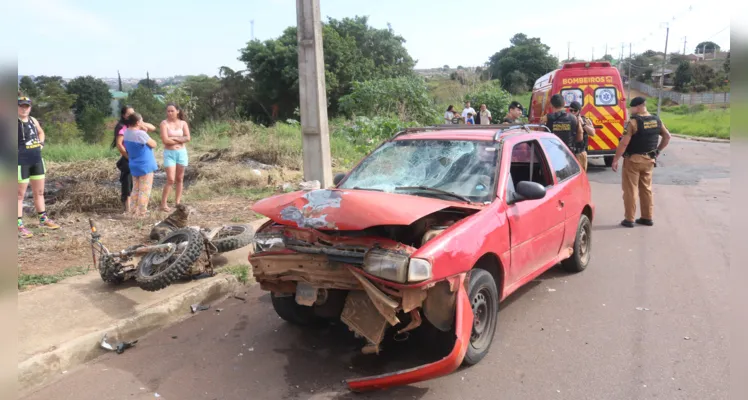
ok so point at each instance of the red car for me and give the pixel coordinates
(434, 227)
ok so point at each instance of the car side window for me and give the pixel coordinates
(527, 164)
(562, 161)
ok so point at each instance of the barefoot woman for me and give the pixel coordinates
(174, 134)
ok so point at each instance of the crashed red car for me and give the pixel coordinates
(436, 226)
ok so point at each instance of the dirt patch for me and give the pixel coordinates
(52, 252)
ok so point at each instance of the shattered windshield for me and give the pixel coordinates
(462, 168)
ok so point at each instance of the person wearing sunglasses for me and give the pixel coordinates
(31, 167)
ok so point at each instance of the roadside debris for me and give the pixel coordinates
(240, 298)
(119, 348)
(310, 185)
(642, 309)
(218, 310)
(197, 307)
(551, 290)
(687, 338)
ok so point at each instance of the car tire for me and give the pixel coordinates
(608, 161)
(484, 299)
(580, 258)
(290, 311)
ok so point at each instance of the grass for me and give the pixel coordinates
(78, 151)
(523, 99)
(241, 272)
(25, 280)
(707, 123)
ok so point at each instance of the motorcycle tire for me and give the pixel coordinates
(108, 269)
(175, 267)
(233, 237)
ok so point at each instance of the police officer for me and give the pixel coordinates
(588, 130)
(515, 111)
(639, 148)
(563, 124)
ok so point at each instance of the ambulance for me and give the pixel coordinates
(597, 86)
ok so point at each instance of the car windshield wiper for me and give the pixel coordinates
(435, 190)
(361, 188)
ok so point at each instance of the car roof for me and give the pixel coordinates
(469, 132)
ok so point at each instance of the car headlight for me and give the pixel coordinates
(268, 241)
(387, 265)
(419, 270)
(396, 267)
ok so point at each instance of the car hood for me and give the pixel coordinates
(334, 209)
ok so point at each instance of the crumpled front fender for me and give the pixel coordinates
(463, 329)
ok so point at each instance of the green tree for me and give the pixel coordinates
(92, 124)
(683, 76)
(706, 47)
(91, 93)
(493, 96)
(726, 65)
(29, 88)
(704, 77)
(406, 97)
(517, 83)
(353, 51)
(205, 92)
(528, 55)
(143, 101)
(54, 104)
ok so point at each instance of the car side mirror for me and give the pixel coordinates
(527, 190)
(337, 179)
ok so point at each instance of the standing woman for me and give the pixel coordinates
(31, 166)
(142, 162)
(125, 178)
(174, 134)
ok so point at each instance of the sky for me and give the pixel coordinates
(71, 38)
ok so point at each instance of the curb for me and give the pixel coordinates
(701, 139)
(42, 368)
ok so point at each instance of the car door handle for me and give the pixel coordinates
(561, 203)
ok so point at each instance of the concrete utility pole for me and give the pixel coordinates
(314, 129)
(628, 95)
(662, 77)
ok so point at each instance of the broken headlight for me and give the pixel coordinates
(266, 241)
(387, 264)
(419, 270)
(396, 267)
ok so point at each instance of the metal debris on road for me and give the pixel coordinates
(119, 348)
(197, 307)
(687, 338)
(642, 309)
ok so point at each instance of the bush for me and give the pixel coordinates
(366, 133)
(92, 124)
(406, 97)
(62, 133)
(493, 96)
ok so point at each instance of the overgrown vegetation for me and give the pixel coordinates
(700, 122)
(25, 280)
(241, 272)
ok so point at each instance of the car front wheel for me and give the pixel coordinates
(484, 299)
(582, 245)
(290, 311)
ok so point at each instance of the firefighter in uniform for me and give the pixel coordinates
(639, 147)
(563, 124)
(588, 130)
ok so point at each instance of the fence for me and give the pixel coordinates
(683, 98)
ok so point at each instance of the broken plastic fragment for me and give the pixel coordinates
(124, 346)
(197, 307)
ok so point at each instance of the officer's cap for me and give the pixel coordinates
(637, 101)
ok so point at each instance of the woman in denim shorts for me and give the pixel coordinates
(174, 134)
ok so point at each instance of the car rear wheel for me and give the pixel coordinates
(290, 311)
(582, 245)
(484, 299)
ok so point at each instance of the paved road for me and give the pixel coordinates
(562, 337)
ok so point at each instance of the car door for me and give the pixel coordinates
(567, 170)
(536, 226)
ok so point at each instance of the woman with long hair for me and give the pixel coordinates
(174, 134)
(125, 178)
(142, 162)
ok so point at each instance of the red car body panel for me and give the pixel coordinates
(463, 328)
(524, 239)
(349, 209)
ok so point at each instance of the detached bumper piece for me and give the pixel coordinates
(448, 364)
